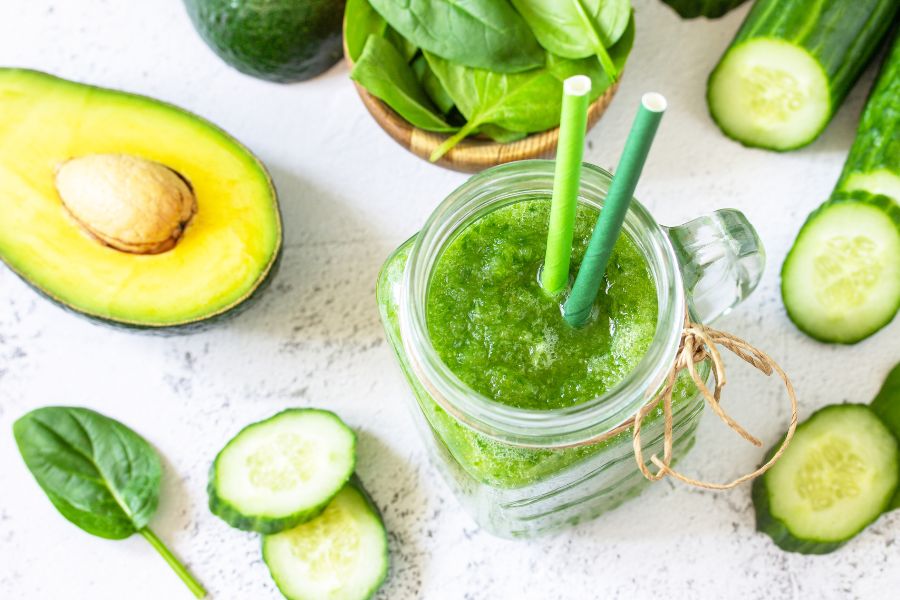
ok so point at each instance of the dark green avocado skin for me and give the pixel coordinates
(276, 40)
(711, 9)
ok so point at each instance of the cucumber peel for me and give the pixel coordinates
(873, 163)
(283, 471)
(887, 403)
(887, 406)
(837, 476)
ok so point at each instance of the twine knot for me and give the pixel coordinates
(699, 343)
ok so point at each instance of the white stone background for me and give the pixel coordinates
(349, 196)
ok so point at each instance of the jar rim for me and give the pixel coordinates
(558, 427)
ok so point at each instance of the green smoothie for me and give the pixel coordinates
(493, 325)
(491, 322)
(471, 304)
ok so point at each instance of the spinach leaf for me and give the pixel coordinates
(528, 102)
(578, 28)
(501, 135)
(487, 34)
(363, 21)
(385, 74)
(618, 52)
(524, 102)
(101, 475)
(98, 473)
(432, 85)
(520, 102)
(405, 47)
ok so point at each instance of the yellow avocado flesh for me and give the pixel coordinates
(224, 254)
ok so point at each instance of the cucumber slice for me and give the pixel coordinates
(282, 471)
(841, 280)
(836, 477)
(340, 555)
(771, 94)
(790, 67)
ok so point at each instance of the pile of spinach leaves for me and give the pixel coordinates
(489, 67)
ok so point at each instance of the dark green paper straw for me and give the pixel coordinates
(566, 178)
(590, 275)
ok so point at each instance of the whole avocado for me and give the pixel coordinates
(276, 40)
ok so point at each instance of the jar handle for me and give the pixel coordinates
(722, 260)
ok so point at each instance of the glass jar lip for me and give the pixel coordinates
(531, 427)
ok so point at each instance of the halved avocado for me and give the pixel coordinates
(83, 169)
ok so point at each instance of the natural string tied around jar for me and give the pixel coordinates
(699, 343)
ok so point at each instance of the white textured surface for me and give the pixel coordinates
(349, 196)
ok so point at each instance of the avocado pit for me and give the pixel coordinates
(129, 203)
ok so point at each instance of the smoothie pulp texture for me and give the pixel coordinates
(491, 322)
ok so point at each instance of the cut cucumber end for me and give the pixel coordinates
(282, 471)
(841, 280)
(340, 555)
(837, 476)
(770, 94)
(879, 181)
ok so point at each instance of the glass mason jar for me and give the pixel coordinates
(523, 472)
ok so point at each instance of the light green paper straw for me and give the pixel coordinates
(569, 151)
(609, 225)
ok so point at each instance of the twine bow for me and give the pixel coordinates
(697, 344)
